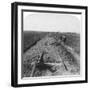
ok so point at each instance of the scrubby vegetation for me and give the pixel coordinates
(50, 54)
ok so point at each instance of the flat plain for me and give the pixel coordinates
(50, 54)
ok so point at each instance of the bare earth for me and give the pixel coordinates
(50, 57)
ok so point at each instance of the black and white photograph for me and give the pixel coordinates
(51, 44)
(51, 53)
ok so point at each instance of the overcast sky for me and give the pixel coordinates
(51, 22)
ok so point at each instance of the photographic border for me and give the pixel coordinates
(14, 43)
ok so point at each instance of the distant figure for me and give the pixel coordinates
(63, 38)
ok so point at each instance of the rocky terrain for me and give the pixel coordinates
(51, 54)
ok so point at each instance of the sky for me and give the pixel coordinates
(51, 22)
